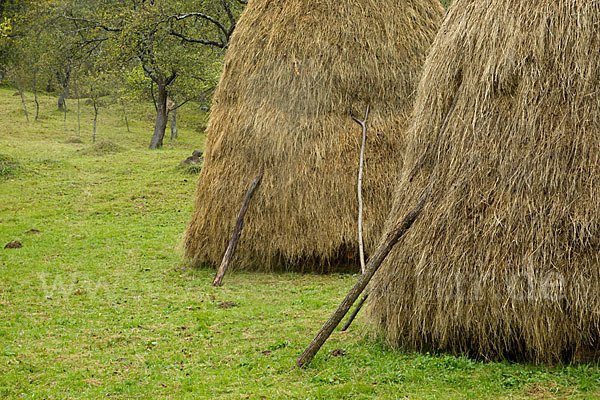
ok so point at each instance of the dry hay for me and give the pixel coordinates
(294, 72)
(504, 261)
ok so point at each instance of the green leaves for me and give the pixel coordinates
(5, 28)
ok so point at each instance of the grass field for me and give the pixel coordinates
(99, 303)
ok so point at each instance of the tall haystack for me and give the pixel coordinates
(504, 261)
(294, 73)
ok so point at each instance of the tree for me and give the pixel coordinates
(29, 55)
(98, 84)
(175, 50)
(7, 9)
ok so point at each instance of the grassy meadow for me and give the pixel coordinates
(99, 303)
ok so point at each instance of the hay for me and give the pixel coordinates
(294, 72)
(504, 261)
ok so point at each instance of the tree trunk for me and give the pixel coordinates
(125, 115)
(173, 125)
(78, 112)
(37, 103)
(23, 102)
(161, 118)
(61, 101)
(95, 120)
(64, 84)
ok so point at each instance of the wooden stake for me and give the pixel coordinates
(361, 247)
(372, 266)
(237, 232)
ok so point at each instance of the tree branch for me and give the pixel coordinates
(94, 23)
(203, 16)
(220, 45)
(183, 103)
(171, 79)
(232, 21)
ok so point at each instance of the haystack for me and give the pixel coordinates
(504, 261)
(294, 72)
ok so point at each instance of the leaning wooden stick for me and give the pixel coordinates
(237, 232)
(373, 265)
(355, 312)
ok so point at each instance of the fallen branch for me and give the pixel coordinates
(237, 232)
(375, 261)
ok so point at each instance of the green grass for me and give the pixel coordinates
(8, 166)
(99, 303)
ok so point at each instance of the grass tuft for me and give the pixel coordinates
(102, 148)
(74, 140)
(9, 166)
(189, 169)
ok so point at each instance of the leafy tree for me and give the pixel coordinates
(176, 50)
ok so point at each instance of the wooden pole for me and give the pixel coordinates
(237, 232)
(355, 312)
(372, 266)
(361, 247)
(381, 252)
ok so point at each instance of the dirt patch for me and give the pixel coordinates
(338, 353)
(13, 245)
(226, 304)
